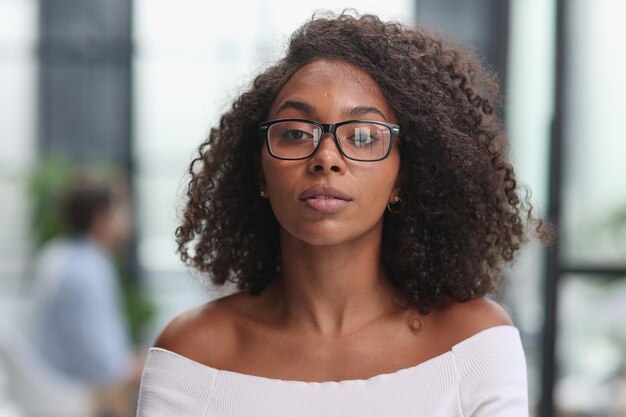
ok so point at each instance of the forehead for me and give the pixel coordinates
(332, 83)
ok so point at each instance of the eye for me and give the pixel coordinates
(295, 134)
(364, 136)
(294, 131)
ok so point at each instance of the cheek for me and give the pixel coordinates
(380, 182)
(375, 194)
(280, 178)
(274, 173)
(279, 183)
(122, 224)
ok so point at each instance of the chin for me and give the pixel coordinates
(324, 241)
(317, 234)
(331, 233)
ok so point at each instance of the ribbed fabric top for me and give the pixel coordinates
(482, 376)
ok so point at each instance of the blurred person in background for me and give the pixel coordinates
(79, 325)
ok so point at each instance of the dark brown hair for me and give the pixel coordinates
(82, 202)
(463, 217)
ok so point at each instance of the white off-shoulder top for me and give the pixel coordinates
(482, 376)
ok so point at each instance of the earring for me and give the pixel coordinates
(262, 194)
(397, 206)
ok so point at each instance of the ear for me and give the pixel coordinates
(395, 193)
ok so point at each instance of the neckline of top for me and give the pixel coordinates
(258, 378)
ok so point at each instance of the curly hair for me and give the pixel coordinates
(462, 219)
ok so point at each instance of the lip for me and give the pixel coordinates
(325, 198)
(326, 191)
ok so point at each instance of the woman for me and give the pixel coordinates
(359, 196)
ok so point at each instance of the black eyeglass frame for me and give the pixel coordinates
(264, 128)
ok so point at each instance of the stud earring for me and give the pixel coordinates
(397, 206)
(262, 194)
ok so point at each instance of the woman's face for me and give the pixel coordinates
(328, 199)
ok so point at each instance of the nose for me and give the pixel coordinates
(327, 158)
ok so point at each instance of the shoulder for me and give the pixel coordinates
(489, 355)
(482, 312)
(463, 320)
(206, 334)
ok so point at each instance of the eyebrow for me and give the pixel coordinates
(307, 109)
(357, 111)
(350, 112)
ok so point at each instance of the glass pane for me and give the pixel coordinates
(594, 203)
(529, 109)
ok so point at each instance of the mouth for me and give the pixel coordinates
(325, 198)
(324, 192)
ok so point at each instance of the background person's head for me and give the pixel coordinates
(97, 209)
(462, 218)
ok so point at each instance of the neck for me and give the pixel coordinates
(100, 239)
(333, 290)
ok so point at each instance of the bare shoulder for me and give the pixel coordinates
(463, 320)
(480, 314)
(205, 334)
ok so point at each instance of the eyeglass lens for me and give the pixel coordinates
(358, 140)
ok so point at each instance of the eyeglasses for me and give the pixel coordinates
(359, 140)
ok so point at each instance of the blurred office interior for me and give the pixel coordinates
(138, 84)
